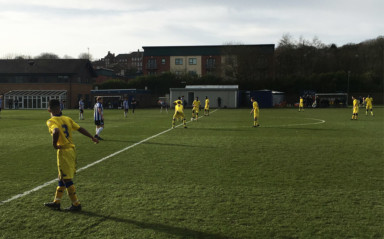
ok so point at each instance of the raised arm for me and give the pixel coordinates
(86, 133)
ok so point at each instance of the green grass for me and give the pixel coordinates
(294, 177)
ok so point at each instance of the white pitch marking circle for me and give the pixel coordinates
(318, 121)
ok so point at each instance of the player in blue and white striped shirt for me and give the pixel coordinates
(81, 108)
(98, 116)
(125, 106)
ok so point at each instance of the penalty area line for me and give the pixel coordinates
(87, 166)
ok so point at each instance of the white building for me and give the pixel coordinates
(220, 96)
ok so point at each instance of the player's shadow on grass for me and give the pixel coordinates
(177, 231)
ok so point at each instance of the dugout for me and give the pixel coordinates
(266, 98)
(335, 100)
(220, 96)
(32, 99)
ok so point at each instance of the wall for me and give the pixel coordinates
(186, 67)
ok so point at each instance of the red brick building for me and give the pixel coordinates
(220, 60)
(39, 80)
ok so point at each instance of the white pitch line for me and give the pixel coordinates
(89, 165)
(320, 121)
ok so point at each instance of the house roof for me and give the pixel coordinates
(123, 55)
(208, 88)
(234, 87)
(213, 50)
(45, 66)
(132, 54)
(36, 93)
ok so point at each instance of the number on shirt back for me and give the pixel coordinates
(65, 127)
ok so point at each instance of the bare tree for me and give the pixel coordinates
(85, 56)
(17, 57)
(68, 57)
(47, 55)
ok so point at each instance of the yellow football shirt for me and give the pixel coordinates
(255, 105)
(301, 102)
(255, 108)
(206, 104)
(65, 125)
(196, 104)
(355, 106)
(368, 101)
(179, 106)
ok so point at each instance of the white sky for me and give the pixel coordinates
(70, 27)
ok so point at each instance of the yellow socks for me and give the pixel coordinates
(59, 194)
(72, 195)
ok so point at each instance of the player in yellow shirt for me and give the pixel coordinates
(301, 104)
(255, 111)
(368, 105)
(179, 113)
(355, 108)
(195, 110)
(206, 107)
(61, 127)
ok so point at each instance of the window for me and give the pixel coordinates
(163, 61)
(211, 63)
(192, 73)
(192, 61)
(151, 64)
(179, 61)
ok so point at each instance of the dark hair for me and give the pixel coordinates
(54, 104)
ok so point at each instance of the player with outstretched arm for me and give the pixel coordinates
(61, 127)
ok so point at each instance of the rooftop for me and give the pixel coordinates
(200, 50)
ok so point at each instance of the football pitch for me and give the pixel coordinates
(311, 174)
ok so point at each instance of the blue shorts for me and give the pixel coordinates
(99, 122)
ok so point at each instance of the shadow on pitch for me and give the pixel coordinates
(160, 144)
(177, 231)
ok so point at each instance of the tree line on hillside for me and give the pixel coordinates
(312, 65)
(48, 55)
(298, 65)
